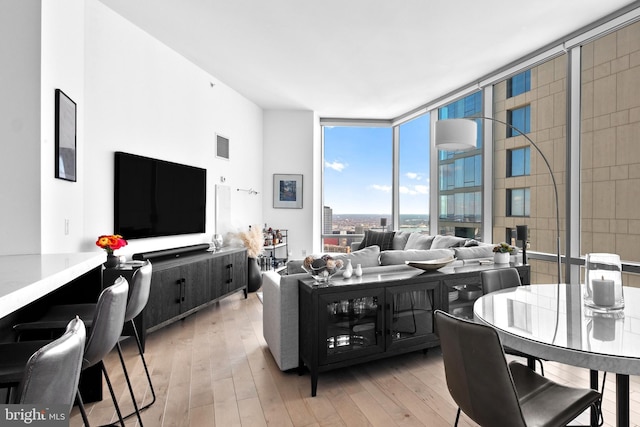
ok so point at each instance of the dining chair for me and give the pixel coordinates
(136, 302)
(494, 393)
(52, 373)
(503, 278)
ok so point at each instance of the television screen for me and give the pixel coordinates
(158, 198)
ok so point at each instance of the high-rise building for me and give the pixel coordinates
(328, 220)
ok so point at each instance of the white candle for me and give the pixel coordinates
(603, 292)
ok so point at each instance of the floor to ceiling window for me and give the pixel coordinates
(599, 141)
(357, 183)
(522, 187)
(460, 177)
(413, 175)
(610, 153)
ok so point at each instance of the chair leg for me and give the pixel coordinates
(126, 377)
(144, 364)
(83, 413)
(146, 371)
(457, 417)
(113, 395)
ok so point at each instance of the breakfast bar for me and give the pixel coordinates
(29, 284)
(25, 279)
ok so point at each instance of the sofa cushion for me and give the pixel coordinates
(473, 252)
(441, 241)
(400, 240)
(419, 241)
(399, 257)
(384, 239)
(367, 257)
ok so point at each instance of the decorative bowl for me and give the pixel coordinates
(431, 265)
(322, 274)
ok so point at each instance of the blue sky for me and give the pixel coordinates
(358, 168)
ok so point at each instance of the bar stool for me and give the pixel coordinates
(107, 324)
(52, 372)
(137, 300)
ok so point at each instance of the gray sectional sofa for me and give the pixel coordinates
(280, 293)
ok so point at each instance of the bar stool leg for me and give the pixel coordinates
(126, 377)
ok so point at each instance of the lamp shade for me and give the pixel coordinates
(456, 134)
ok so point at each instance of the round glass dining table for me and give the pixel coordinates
(551, 322)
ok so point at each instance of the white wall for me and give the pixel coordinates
(20, 126)
(133, 94)
(143, 98)
(62, 68)
(289, 141)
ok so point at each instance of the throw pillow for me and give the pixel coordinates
(400, 240)
(474, 252)
(419, 241)
(471, 242)
(441, 242)
(384, 239)
(367, 257)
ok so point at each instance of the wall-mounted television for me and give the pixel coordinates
(157, 198)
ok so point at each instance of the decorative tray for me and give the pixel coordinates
(431, 265)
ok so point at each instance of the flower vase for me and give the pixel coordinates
(501, 257)
(254, 278)
(112, 261)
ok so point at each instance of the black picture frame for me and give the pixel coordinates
(65, 136)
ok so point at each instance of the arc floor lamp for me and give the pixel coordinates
(461, 135)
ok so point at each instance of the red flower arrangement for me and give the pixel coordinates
(111, 242)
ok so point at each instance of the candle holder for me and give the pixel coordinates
(603, 282)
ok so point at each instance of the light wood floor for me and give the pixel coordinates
(214, 369)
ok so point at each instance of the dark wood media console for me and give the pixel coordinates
(185, 282)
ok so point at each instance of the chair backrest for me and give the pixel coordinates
(139, 295)
(52, 373)
(108, 321)
(499, 278)
(477, 373)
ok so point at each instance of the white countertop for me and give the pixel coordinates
(25, 278)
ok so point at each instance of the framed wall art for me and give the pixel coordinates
(287, 191)
(65, 157)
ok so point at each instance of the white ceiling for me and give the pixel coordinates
(356, 58)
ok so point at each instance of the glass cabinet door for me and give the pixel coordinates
(409, 314)
(350, 324)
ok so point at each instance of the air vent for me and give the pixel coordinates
(222, 147)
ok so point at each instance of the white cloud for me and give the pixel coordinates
(422, 189)
(415, 190)
(413, 175)
(383, 188)
(335, 165)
